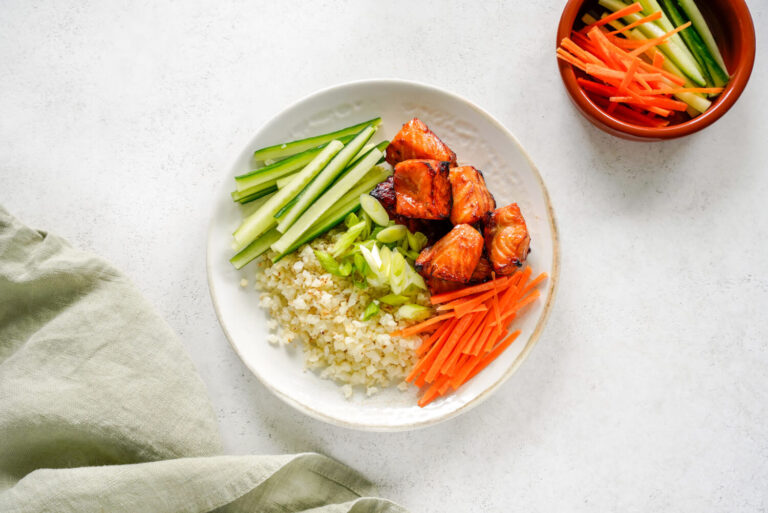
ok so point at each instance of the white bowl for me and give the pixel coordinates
(478, 139)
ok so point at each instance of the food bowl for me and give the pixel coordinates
(730, 23)
(477, 138)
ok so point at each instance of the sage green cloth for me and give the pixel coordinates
(101, 410)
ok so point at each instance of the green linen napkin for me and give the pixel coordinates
(101, 410)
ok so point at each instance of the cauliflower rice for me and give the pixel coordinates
(324, 312)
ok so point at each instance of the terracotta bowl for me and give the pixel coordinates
(730, 23)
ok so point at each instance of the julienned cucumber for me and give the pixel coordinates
(282, 182)
(246, 197)
(282, 168)
(381, 147)
(291, 148)
(651, 6)
(324, 179)
(693, 13)
(263, 219)
(365, 149)
(680, 56)
(696, 44)
(326, 201)
(336, 214)
(255, 249)
(670, 11)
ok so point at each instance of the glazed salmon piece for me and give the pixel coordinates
(506, 239)
(482, 271)
(422, 189)
(471, 199)
(416, 141)
(434, 230)
(438, 286)
(454, 257)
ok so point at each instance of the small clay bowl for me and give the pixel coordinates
(730, 23)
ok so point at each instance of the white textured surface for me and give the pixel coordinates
(647, 391)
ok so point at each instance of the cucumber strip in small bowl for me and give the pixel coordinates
(651, 6)
(694, 14)
(283, 167)
(283, 150)
(326, 201)
(318, 185)
(696, 44)
(263, 219)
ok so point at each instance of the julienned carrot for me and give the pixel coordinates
(493, 354)
(477, 363)
(632, 68)
(533, 283)
(677, 90)
(626, 11)
(462, 340)
(653, 17)
(659, 40)
(658, 110)
(470, 305)
(602, 71)
(579, 52)
(458, 349)
(570, 59)
(427, 344)
(658, 60)
(631, 116)
(496, 309)
(664, 103)
(423, 364)
(422, 326)
(596, 87)
(530, 298)
(466, 302)
(453, 339)
(450, 296)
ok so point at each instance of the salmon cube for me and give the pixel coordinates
(471, 199)
(438, 286)
(506, 239)
(482, 271)
(422, 189)
(454, 257)
(416, 141)
(385, 193)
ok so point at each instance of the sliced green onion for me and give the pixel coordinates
(417, 241)
(328, 262)
(351, 220)
(373, 208)
(392, 234)
(371, 310)
(348, 238)
(413, 312)
(394, 299)
(345, 268)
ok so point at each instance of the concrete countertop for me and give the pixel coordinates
(648, 390)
